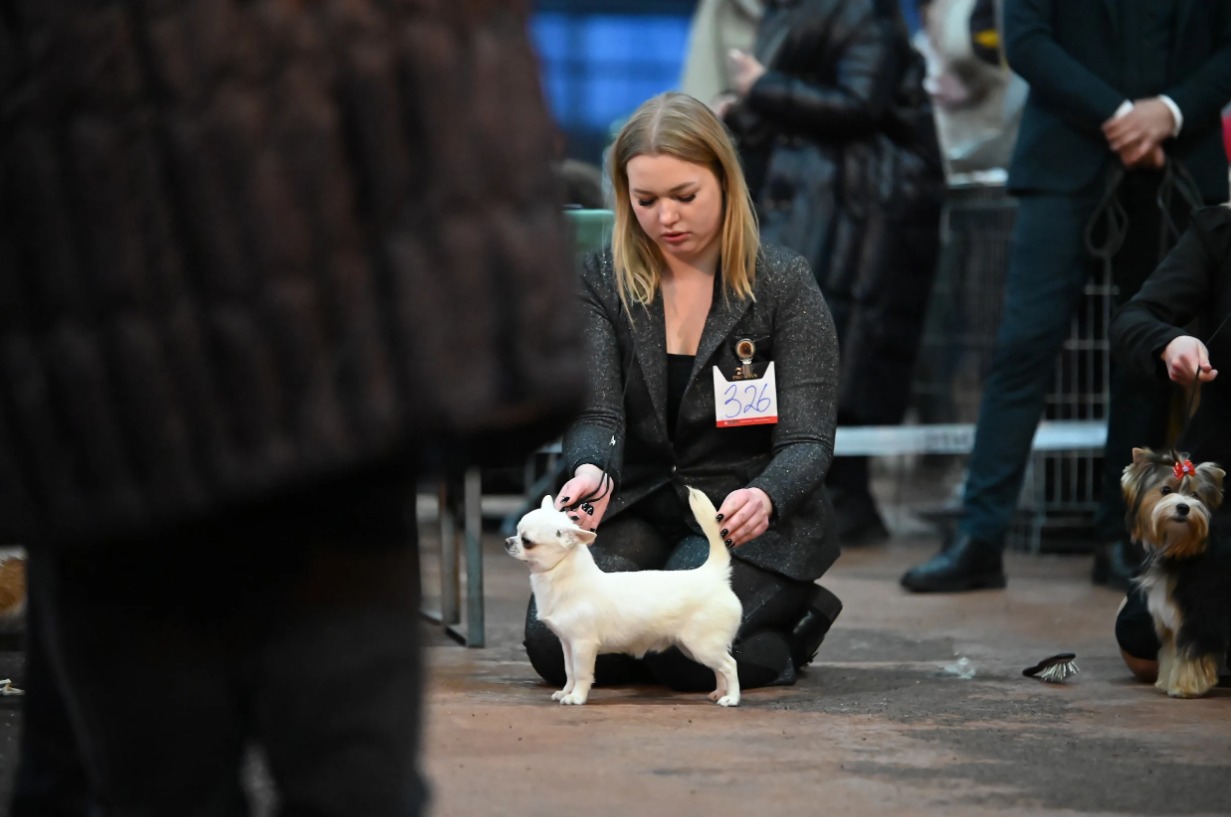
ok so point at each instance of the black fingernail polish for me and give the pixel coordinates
(565, 498)
(724, 533)
(728, 543)
(719, 517)
(574, 518)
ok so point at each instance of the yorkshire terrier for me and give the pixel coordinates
(1187, 574)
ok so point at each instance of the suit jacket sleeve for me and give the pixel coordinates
(1052, 73)
(1177, 292)
(1203, 94)
(590, 438)
(806, 366)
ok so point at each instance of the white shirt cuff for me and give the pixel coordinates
(1125, 107)
(1175, 112)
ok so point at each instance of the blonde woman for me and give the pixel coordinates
(677, 312)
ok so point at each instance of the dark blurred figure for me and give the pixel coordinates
(837, 135)
(259, 261)
(1123, 113)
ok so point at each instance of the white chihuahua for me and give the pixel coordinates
(643, 611)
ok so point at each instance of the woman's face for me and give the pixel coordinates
(678, 205)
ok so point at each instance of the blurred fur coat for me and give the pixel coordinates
(246, 248)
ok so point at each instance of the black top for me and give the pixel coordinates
(679, 367)
(1193, 283)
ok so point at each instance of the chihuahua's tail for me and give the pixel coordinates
(706, 515)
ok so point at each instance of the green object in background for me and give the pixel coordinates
(591, 230)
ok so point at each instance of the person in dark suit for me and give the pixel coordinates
(683, 299)
(1124, 96)
(256, 268)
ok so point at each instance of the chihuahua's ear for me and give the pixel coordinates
(584, 537)
(548, 503)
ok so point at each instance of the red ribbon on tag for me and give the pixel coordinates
(1184, 468)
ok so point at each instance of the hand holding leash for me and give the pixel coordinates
(1188, 360)
(744, 515)
(585, 497)
(1137, 134)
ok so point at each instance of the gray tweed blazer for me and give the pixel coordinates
(624, 425)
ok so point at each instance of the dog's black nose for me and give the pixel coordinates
(1181, 510)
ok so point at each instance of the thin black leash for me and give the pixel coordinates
(1176, 177)
(586, 503)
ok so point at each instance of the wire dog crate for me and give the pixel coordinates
(1061, 489)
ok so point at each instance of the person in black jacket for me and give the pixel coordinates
(1124, 99)
(256, 267)
(837, 133)
(673, 311)
(1176, 329)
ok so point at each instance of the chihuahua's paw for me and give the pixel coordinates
(728, 700)
(558, 694)
(573, 699)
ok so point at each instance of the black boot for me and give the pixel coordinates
(965, 563)
(808, 633)
(857, 520)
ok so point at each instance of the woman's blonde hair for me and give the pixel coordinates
(678, 125)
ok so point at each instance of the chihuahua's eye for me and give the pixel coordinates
(1166, 489)
(526, 543)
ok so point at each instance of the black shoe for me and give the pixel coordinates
(964, 564)
(1116, 563)
(808, 633)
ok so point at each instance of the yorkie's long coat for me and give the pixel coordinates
(1187, 575)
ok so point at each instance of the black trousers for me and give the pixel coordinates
(653, 536)
(299, 634)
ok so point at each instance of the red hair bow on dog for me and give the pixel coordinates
(1184, 468)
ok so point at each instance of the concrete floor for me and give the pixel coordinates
(877, 726)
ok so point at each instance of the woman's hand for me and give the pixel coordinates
(1187, 359)
(743, 71)
(744, 515)
(576, 495)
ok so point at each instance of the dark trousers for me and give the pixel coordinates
(652, 536)
(171, 661)
(1048, 267)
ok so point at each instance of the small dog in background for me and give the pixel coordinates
(593, 612)
(12, 588)
(1187, 575)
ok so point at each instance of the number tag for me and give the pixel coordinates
(746, 402)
